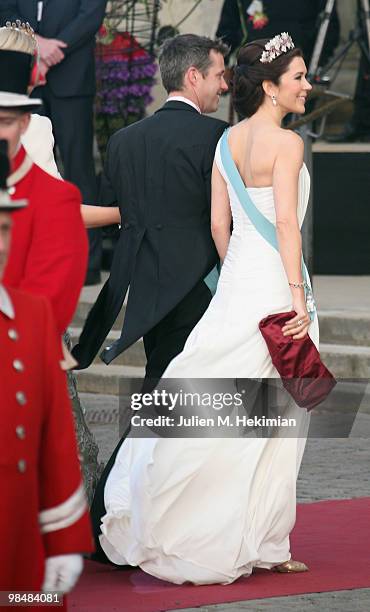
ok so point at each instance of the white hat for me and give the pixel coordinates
(14, 100)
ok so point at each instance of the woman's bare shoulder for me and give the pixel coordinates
(281, 135)
(291, 139)
(289, 148)
(277, 143)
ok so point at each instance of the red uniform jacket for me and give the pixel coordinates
(48, 254)
(43, 510)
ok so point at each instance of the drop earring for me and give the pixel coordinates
(273, 98)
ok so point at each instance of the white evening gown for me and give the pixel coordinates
(209, 510)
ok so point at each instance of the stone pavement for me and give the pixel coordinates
(331, 469)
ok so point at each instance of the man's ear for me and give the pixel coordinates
(192, 75)
(25, 121)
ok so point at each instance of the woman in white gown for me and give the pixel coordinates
(210, 510)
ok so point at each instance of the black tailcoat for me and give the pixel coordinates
(158, 170)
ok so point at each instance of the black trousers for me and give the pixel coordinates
(168, 337)
(73, 126)
(162, 344)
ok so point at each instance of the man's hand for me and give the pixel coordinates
(50, 50)
(62, 572)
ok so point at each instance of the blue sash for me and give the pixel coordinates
(211, 279)
(262, 225)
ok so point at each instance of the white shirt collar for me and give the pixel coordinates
(6, 306)
(183, 99)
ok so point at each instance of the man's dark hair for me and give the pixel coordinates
(179, 53)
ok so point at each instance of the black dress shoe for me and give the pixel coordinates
(350, 133)
(93, 277)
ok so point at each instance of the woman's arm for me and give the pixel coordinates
(98, 216)
(285, 184)
(220, 213)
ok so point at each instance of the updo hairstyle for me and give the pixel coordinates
(249, 73)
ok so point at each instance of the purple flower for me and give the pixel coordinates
(124, 86)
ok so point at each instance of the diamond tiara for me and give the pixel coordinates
(277, 46)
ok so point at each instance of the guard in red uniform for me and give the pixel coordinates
(44, 523)
(49, 245)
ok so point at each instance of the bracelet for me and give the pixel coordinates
(302, 285)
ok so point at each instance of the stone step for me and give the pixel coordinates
(346, 361)
(349, 395)
(345, 327)
(343, 361)
(133, 356)
(107, 380)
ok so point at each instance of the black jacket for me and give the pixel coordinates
(76, 23)
(298, 17)
(159, 172)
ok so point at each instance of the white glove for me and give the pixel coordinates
(62, 572)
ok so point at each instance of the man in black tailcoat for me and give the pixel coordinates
(298, 17)
(65, 31)
(159, 173)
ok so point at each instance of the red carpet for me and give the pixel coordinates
(332, 537)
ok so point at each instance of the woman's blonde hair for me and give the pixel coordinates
(18, 36)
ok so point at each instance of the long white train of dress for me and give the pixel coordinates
(209, 510)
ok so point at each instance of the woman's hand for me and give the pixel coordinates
(100, 216)
(298, 326)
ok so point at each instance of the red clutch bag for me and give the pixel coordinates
(298, 362)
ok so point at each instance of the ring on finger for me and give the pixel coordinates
(300, 322)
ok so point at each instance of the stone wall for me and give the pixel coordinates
(203, 20)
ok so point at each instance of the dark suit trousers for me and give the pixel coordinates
(168, 337)
(73, 127)
(162, 344)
